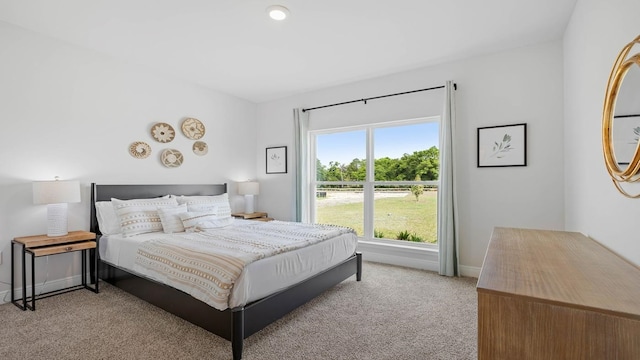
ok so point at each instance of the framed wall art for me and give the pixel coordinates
(277, 160)
(504, 145)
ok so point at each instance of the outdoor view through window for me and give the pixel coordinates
(397, 198)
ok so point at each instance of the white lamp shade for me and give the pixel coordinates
(249, 188)
(56, 192)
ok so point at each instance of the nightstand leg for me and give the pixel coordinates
(84, 268)
(24, 278)
(13, 280)
(33, 282)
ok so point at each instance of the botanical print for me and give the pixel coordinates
(277, 160)
(502, 145)
(500, 150)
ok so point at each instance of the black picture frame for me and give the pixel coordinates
(276, 160)
(502, 145)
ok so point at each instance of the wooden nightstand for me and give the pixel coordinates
(43, 245)
(256, 216)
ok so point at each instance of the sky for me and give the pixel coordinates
(390, 142)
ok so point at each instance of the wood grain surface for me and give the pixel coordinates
(556, 295)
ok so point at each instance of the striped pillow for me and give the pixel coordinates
(206, 203)
(196, 221)
(139, 216)
(170, 218)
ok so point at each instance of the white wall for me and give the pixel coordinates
(597, 32)
(72, 113)
(521, 85)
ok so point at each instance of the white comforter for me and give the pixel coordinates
(209, 265)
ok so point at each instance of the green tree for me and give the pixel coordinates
(335, 171)
(321, 171)
(417, 190)
(421, 165)
(356, 170)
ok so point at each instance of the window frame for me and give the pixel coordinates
(368, 184)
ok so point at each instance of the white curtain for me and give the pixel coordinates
(447, 197)
(301, 126)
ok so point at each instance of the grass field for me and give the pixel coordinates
(392, 215)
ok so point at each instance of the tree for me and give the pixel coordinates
(422, 165)
(417, 190)
(356, 170)
(321, 171)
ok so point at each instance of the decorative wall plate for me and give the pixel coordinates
(192, 128)
(171, 158)
(200, 148)
(140, 150)
(163, 132)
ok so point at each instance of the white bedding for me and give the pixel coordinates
(258, 279)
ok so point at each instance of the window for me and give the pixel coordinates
(380, 180)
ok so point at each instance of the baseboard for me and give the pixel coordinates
(413, 257)
(44, 287)
(470, 271)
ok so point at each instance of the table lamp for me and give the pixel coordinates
(249, 189)
(56, 194)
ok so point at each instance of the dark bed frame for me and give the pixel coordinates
(232, 324)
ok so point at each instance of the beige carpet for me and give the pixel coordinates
(394, 313)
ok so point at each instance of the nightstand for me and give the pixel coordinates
(256, 216)
(43, 245)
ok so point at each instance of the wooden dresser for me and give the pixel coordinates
(556, 295)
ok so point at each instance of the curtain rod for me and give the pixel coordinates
(625, 116)
(455, 87)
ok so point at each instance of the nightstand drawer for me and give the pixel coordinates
(59, 249)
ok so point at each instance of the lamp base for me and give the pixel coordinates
(248, 204)
(57, 224)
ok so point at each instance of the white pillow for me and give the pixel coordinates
(170, 218)
(195, 221)
(108, 221)
(139, 216)
(205, 203)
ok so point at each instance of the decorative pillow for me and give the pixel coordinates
(170, 218)
(108, 221)
(195, 221)
(207, 203)
(139, 216)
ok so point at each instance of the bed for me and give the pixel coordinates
(248, 312)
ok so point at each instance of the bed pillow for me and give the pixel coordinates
(139, 216)
(108, 221)
(170, 218)
(217, 203)
(202, 220)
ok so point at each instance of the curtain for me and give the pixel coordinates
(301, 126)
(447, 197)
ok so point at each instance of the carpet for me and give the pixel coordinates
(393, 313)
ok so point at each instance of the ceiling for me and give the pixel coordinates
(232, 46)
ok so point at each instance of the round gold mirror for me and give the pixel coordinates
(621, 119)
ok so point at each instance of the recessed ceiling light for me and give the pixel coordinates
(278, 12)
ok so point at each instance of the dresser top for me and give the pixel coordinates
(560, 267)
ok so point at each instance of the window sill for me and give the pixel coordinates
(401, 253)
